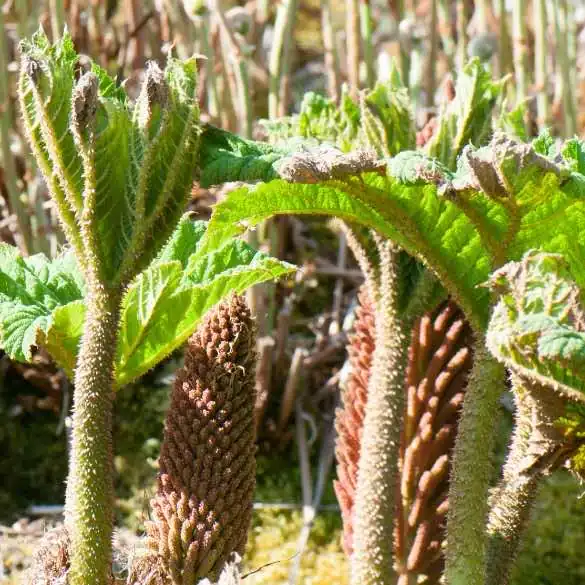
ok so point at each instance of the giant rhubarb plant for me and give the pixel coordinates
(462, 206)
(132, 287)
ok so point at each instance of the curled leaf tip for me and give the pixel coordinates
(84, 101)
(156, 87)
(31, 67)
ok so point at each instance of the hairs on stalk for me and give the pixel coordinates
(374, 506)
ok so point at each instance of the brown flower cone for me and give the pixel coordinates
(439, 363)
(203, 506)
(349, 419)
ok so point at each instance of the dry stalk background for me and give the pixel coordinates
(256, 60)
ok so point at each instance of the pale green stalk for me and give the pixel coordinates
(448, 41)
(504, 44)
(212, 90)
(366, 29)
(433, 53)
(21, 232)
(283, 27)
(461, 33)
(482, 9)
(520, 48)
(352, 32)
(57, 10)
(285, 75)
(472, 470)
(262, 11)
(235, 60)
(540, 57)
(331, 61)
(569, 109)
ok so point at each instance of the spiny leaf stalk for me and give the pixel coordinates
(468, 493)
(89, 499)
(373, 517)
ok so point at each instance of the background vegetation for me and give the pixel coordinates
(258, 60)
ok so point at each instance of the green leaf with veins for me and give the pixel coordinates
(537, 328)
(164, 304)
(62, 335)
(30, 289)
(225, 157)
(503, 200)
(183, 242)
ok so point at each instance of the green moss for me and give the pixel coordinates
(273, 539)
(553, 551)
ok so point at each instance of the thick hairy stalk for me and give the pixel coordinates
(538, 447)
(203, 505)
(373, 520)
(90, 496)
(472, 468)
(349, 420)
(439, 361)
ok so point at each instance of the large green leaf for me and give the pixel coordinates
(225, 157)
(30, 290)
(504, 199)
(164, 305)
(538, 326)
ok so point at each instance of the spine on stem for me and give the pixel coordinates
(90, 496)
(372, 560)
(472, 467)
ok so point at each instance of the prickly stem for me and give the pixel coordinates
(373, 521)
(468, 494)
(90, 498)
